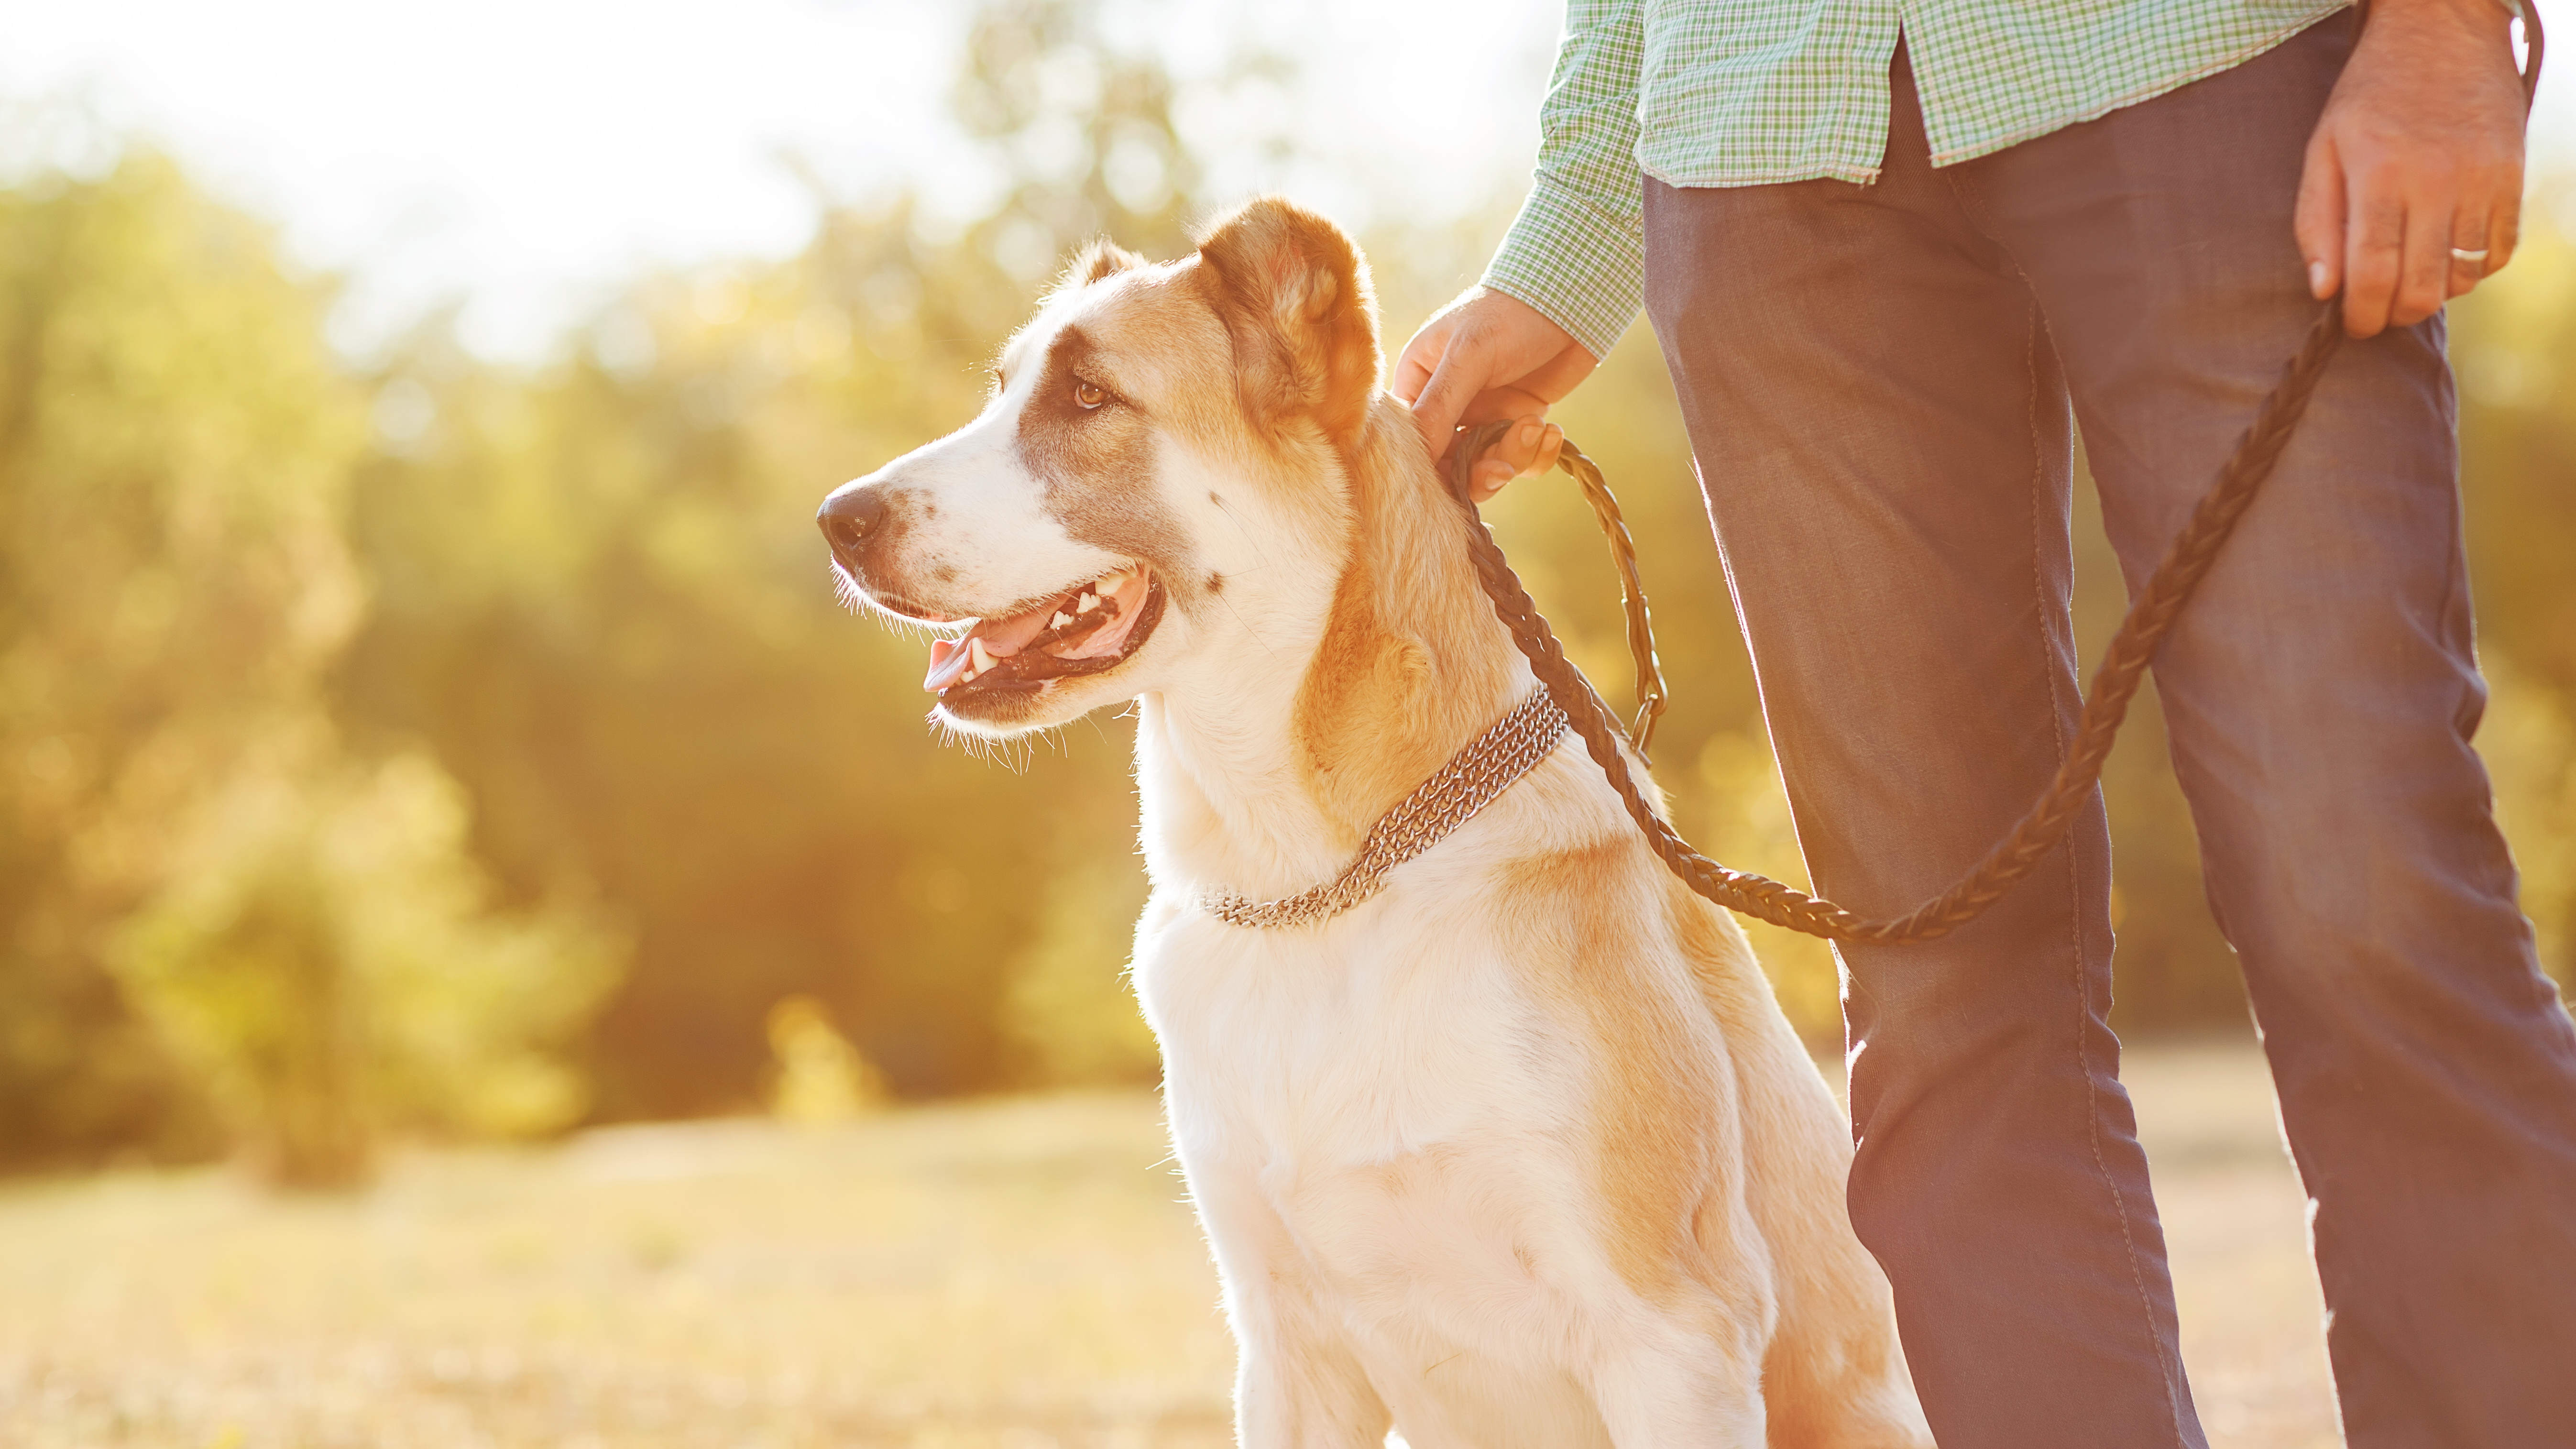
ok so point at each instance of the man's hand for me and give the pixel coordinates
(1490, 355)
(2419, 151)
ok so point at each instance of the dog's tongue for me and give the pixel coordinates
(1002, 638)
(1121, 598)
(948, 659)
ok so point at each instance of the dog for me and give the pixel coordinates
(1518, 1151)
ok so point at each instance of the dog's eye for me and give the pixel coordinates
(1087, 396)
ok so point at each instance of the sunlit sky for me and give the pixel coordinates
(523, 157)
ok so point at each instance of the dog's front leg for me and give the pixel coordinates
(1298, 1388)
(1677, 1383)
(1297, 1382)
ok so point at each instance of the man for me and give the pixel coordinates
(1881, 267)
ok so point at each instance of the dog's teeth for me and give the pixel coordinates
(983, 656)
(1086, 603)
(1060, 620)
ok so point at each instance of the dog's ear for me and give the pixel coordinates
(1296, 297)
(1100, 257)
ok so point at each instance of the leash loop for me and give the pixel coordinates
(2150, 618)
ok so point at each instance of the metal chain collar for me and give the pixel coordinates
(1485, 768)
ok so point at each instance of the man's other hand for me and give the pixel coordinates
(1486, 356)
(2419, 151)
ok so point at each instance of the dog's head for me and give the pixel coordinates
(1157, 489)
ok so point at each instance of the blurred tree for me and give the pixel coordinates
(817, 1078)
(172, 437)
(175, 446)
(1069, 1009)
(323, 955)
(2529, 741)
(1083, 132)
(2175, 971)
(2514, 345)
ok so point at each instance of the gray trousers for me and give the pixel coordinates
(1877, 381)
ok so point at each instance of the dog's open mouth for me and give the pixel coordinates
(1082, 631)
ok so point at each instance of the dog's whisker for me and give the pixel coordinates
(1248, 631)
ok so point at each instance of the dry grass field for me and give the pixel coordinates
(1020, 1274)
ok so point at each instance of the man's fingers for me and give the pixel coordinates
(1435, 350)
(2319, 224)
(1508, 457)
(2504, 227)
(1560, 374)
(1499, 404)
(2415, 156)
(2496, 235)
(2469, 234)
(1522, 451)
(1490, 356)
(1409, 376)
(2424, 267)
(1420, 358)
(1519, 445)
(1454, 383)
(2374, 241)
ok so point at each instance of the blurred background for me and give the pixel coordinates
(426, 724)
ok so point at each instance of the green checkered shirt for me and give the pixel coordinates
(1742, 92)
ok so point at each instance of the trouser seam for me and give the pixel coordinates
(2165, 1367)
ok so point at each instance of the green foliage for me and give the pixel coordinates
(173, 443)
(297, 938)
(2514, 344)
(2529, 741)
(1745, 822)
(1085, 131)
(819, 1080)
(1074, 1022)
(2175, 971)
(325, 958)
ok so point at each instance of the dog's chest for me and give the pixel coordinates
(1384, 1106)
(1382, 1121)
(1404, 1033)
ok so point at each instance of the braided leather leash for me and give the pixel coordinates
(2151, 616)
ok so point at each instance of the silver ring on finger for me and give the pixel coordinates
(2477, 258)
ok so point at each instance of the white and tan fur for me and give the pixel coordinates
(1521, 1151)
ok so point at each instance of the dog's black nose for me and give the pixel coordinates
(848, 517)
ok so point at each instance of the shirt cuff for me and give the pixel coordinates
(1581, 266)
